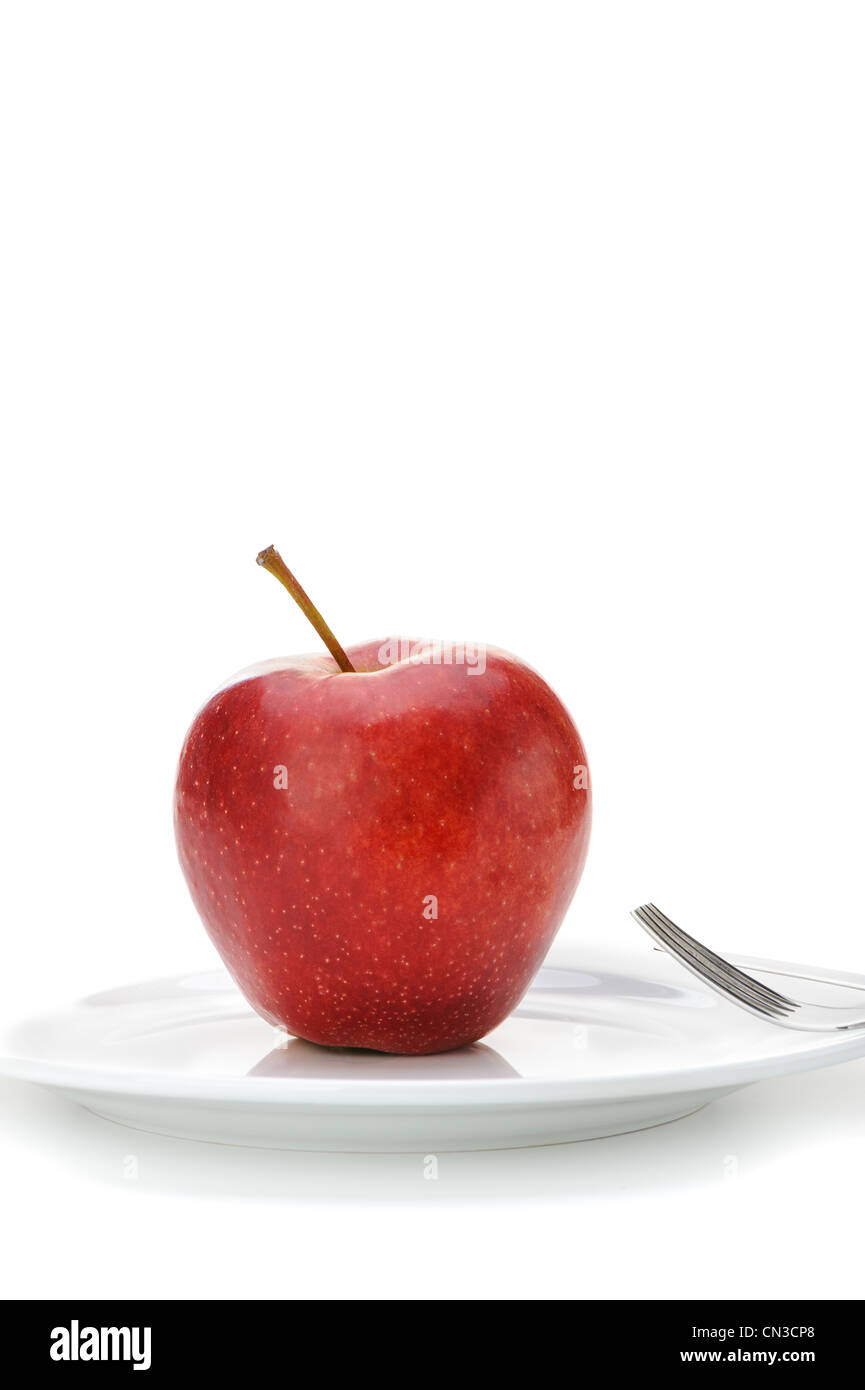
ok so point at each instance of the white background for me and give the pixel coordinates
(537, 324)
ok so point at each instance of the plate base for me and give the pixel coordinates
(356, 1131)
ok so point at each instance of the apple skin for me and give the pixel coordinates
(402, 781)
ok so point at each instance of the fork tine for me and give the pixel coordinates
(720, 977)
(747, 980)
(714, 967)
(711, 959)
(725, 984)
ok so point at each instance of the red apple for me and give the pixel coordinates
(382, 854)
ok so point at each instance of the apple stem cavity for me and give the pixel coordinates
(271, 560)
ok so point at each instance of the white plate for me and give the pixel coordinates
(597, 1047)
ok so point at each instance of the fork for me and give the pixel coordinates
(742, 989)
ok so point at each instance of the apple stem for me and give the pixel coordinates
(271, 560)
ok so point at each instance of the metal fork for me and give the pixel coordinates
(743, 989)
